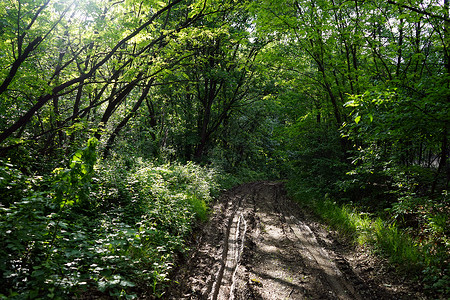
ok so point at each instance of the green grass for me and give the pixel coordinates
(345, 219)
(407, 254)
(362, 229)
(398, 246)
(199, 208)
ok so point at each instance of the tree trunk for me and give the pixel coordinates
(18, 62)
(124, 122)
(113, 105)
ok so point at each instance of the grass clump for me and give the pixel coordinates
(398, 246)
(345, 219)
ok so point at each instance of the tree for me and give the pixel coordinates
(213, 81)
(104, 58)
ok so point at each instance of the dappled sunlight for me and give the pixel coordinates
(344, 101)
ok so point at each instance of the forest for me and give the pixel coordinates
(121, 121)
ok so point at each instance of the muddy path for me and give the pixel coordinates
(261, 245)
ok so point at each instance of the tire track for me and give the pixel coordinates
(223, 287)
(319, 258)
(257, 245)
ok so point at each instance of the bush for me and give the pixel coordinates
(109, 229)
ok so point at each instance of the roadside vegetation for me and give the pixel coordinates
(409, 228)
(111, 228)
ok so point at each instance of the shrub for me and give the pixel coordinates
(109, 228)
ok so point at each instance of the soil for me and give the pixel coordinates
(259, 244)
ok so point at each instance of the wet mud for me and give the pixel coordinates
(259, 244)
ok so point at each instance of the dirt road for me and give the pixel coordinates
(260, 245)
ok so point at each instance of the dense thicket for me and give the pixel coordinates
(99, 99)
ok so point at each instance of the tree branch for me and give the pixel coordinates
(419, 11)
(45, 98)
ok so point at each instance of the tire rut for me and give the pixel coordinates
(317, 257)
(224, 285)
(258, 245)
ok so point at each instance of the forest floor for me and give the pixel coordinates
(259, 244)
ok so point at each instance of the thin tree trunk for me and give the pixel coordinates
(113, 105)
(124, 122)
(18, 62)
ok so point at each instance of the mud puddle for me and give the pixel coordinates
(260, 245)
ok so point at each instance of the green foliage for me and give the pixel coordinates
(72, 185)
(347, 97)
(437, 278)
(157, 206)
(112, 228)
(39, 230)
(13, 184)
(316, 156)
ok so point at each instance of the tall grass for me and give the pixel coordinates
(424, 256)
(398, 246)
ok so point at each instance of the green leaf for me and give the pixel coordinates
(351, 103)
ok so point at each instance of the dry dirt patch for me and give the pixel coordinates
(260, 245)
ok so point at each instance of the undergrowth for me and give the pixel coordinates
(106, 229)
(426, 259)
